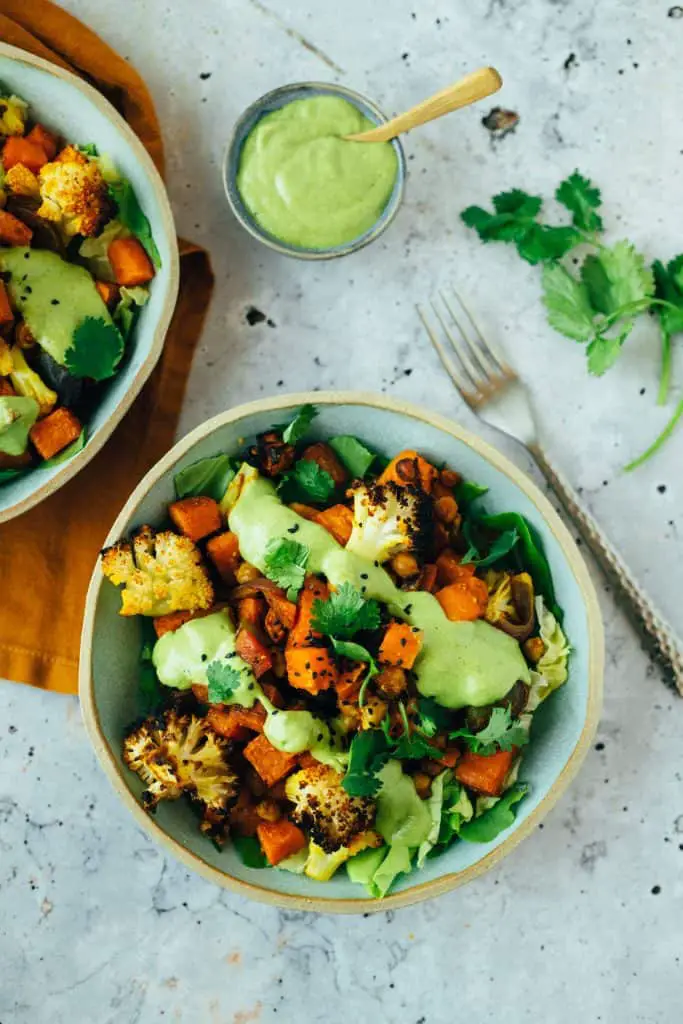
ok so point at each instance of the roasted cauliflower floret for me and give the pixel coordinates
(26, 382)
(388, 518)
(332, 817)
(22, 182)
(320, 866)
(175, 754)
(74, 194)
(12, 115)
(160, 573)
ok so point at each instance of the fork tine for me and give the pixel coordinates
(493, 352)
(447, 362)
(486, 365)
(460, 351)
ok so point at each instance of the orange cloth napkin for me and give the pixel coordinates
(48, 554)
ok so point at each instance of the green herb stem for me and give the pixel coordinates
(665, 372)
(659, 441)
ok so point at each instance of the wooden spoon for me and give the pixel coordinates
(469, 89)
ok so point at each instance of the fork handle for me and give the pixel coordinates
(656, 633)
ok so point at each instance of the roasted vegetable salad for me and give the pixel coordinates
(76, 260)
(343, 655)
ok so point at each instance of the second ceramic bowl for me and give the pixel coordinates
(273, 101)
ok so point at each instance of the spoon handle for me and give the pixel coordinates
(469, 89)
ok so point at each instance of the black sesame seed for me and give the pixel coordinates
(205, 657)
(364, 576)
(54, 302)
(250, 686)
(320, 737)
(293, 529)
(27, 255)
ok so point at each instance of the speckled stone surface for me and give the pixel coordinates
(583, 922)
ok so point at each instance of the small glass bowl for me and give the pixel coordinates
(273, 101)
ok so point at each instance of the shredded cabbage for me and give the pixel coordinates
(94, 250)
(434, 806)
(551, 670)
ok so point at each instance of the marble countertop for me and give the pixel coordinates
(582, 922)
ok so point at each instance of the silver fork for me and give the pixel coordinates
(494, 392)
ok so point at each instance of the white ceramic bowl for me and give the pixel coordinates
(81, 114)
(563, 726)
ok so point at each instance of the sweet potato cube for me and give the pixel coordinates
(224, 552)
(484, 773)
(55, 432)
(44, 138)
(196, 517)
(270, 763)
(337, 520)
(13, 231)
(401, 645)
(280, 839)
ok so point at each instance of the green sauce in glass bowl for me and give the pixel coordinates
(305, 184)
(295, 183)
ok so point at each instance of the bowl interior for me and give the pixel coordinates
(558, 727)
(61, 105)
(273, 101)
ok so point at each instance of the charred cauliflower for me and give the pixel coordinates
(332, 817)
(160, 572)
(74, 193)
(13, 112)
(175, 754)
(22, 182)
(388, 518)
(26, 382)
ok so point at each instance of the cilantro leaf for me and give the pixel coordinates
(345, 613)
(491, 823)
(542, 244)
(89, 149)
(616, 277)
(369, 752)
(95, 351)
(501, 546)
(669, 288)
(299, 425)
(356, 652)
(604, 351)
(223, 680)
(355, 456)
(582, 199)
(307, 482)
(413, 747)
(501, 227)
(566, 300)
(518, 202)
(501, 733)
(285, 564)
(432, 716)
(132, 215)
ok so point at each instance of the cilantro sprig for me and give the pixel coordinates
(223, 680)
(599, 303)
(285, 564)
(345, 613)
(502, 733)
(95, 351)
